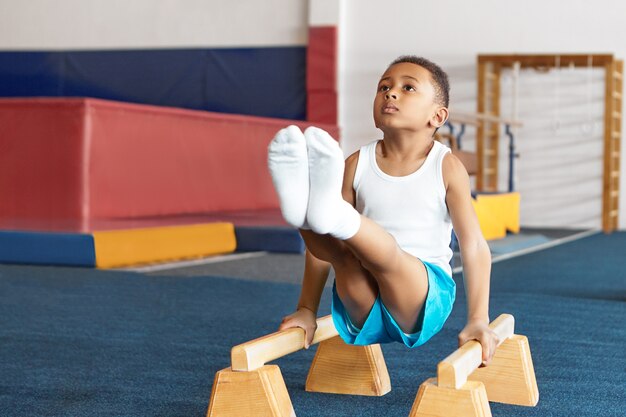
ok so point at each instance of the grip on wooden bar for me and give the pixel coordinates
(453, 371)
(256, 353)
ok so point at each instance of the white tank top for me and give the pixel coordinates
(411, 208)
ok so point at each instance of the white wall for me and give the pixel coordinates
(121, 24)
(559, 173)
(558, 188)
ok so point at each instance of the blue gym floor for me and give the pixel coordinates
(84, 342)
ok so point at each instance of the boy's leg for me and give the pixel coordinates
(289, 167)
(356, 287)
(401, 278)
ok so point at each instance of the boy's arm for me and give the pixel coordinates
(475, 255)
(315, 276)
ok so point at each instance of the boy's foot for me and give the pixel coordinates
(288, 164)
(328, 212)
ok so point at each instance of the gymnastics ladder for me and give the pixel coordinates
(487, 133)
(613, 131)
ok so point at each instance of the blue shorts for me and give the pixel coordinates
(381, 327)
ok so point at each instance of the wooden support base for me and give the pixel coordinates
(259, 393)
(339, 368)
(510, 377)
(468, 401)
(461, 389)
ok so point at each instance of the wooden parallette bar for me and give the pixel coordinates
(461, 389)
(256, 353)
(251, 388)
(453, 371)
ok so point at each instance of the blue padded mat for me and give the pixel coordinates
(266, 81)
(513, 243)
(39, 248)
(268, 238)
(82, 342)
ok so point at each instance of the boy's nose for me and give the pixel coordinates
(391, 95)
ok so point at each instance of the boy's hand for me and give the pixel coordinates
(303, 318)
(479, 330)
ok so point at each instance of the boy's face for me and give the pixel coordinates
(405, 100)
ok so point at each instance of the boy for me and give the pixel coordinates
(383, 219)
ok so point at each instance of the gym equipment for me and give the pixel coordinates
(281, 239)
(117, 248)
(489, 71)
(472, 161)
(249, 387)
(461, 389)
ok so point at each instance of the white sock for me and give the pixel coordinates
(328, 212)
(288, 164)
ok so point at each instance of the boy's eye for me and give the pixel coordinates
(409, 88)
(383, 88)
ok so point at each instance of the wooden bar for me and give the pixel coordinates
(251, 388)
(547, 60)
(455, 117)
(544, 62)
(494, 140)
(256, 353)
(607, 182)
(475, 118)
(480, 130)
(617, 144)
(453, 371)
(461, 389)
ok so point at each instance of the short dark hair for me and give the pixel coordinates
(440, 78)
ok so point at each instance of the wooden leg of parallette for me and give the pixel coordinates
(463, 389)
(339, 368)
(510, 376)
(468, 401)
(259, 393)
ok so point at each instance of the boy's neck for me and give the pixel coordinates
(407, 144)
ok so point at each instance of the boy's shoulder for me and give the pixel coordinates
(453, 169)
(353, 158)
(351, 163)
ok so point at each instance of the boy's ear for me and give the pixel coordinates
(440, 117)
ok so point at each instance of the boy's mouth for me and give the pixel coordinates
(389, 108)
